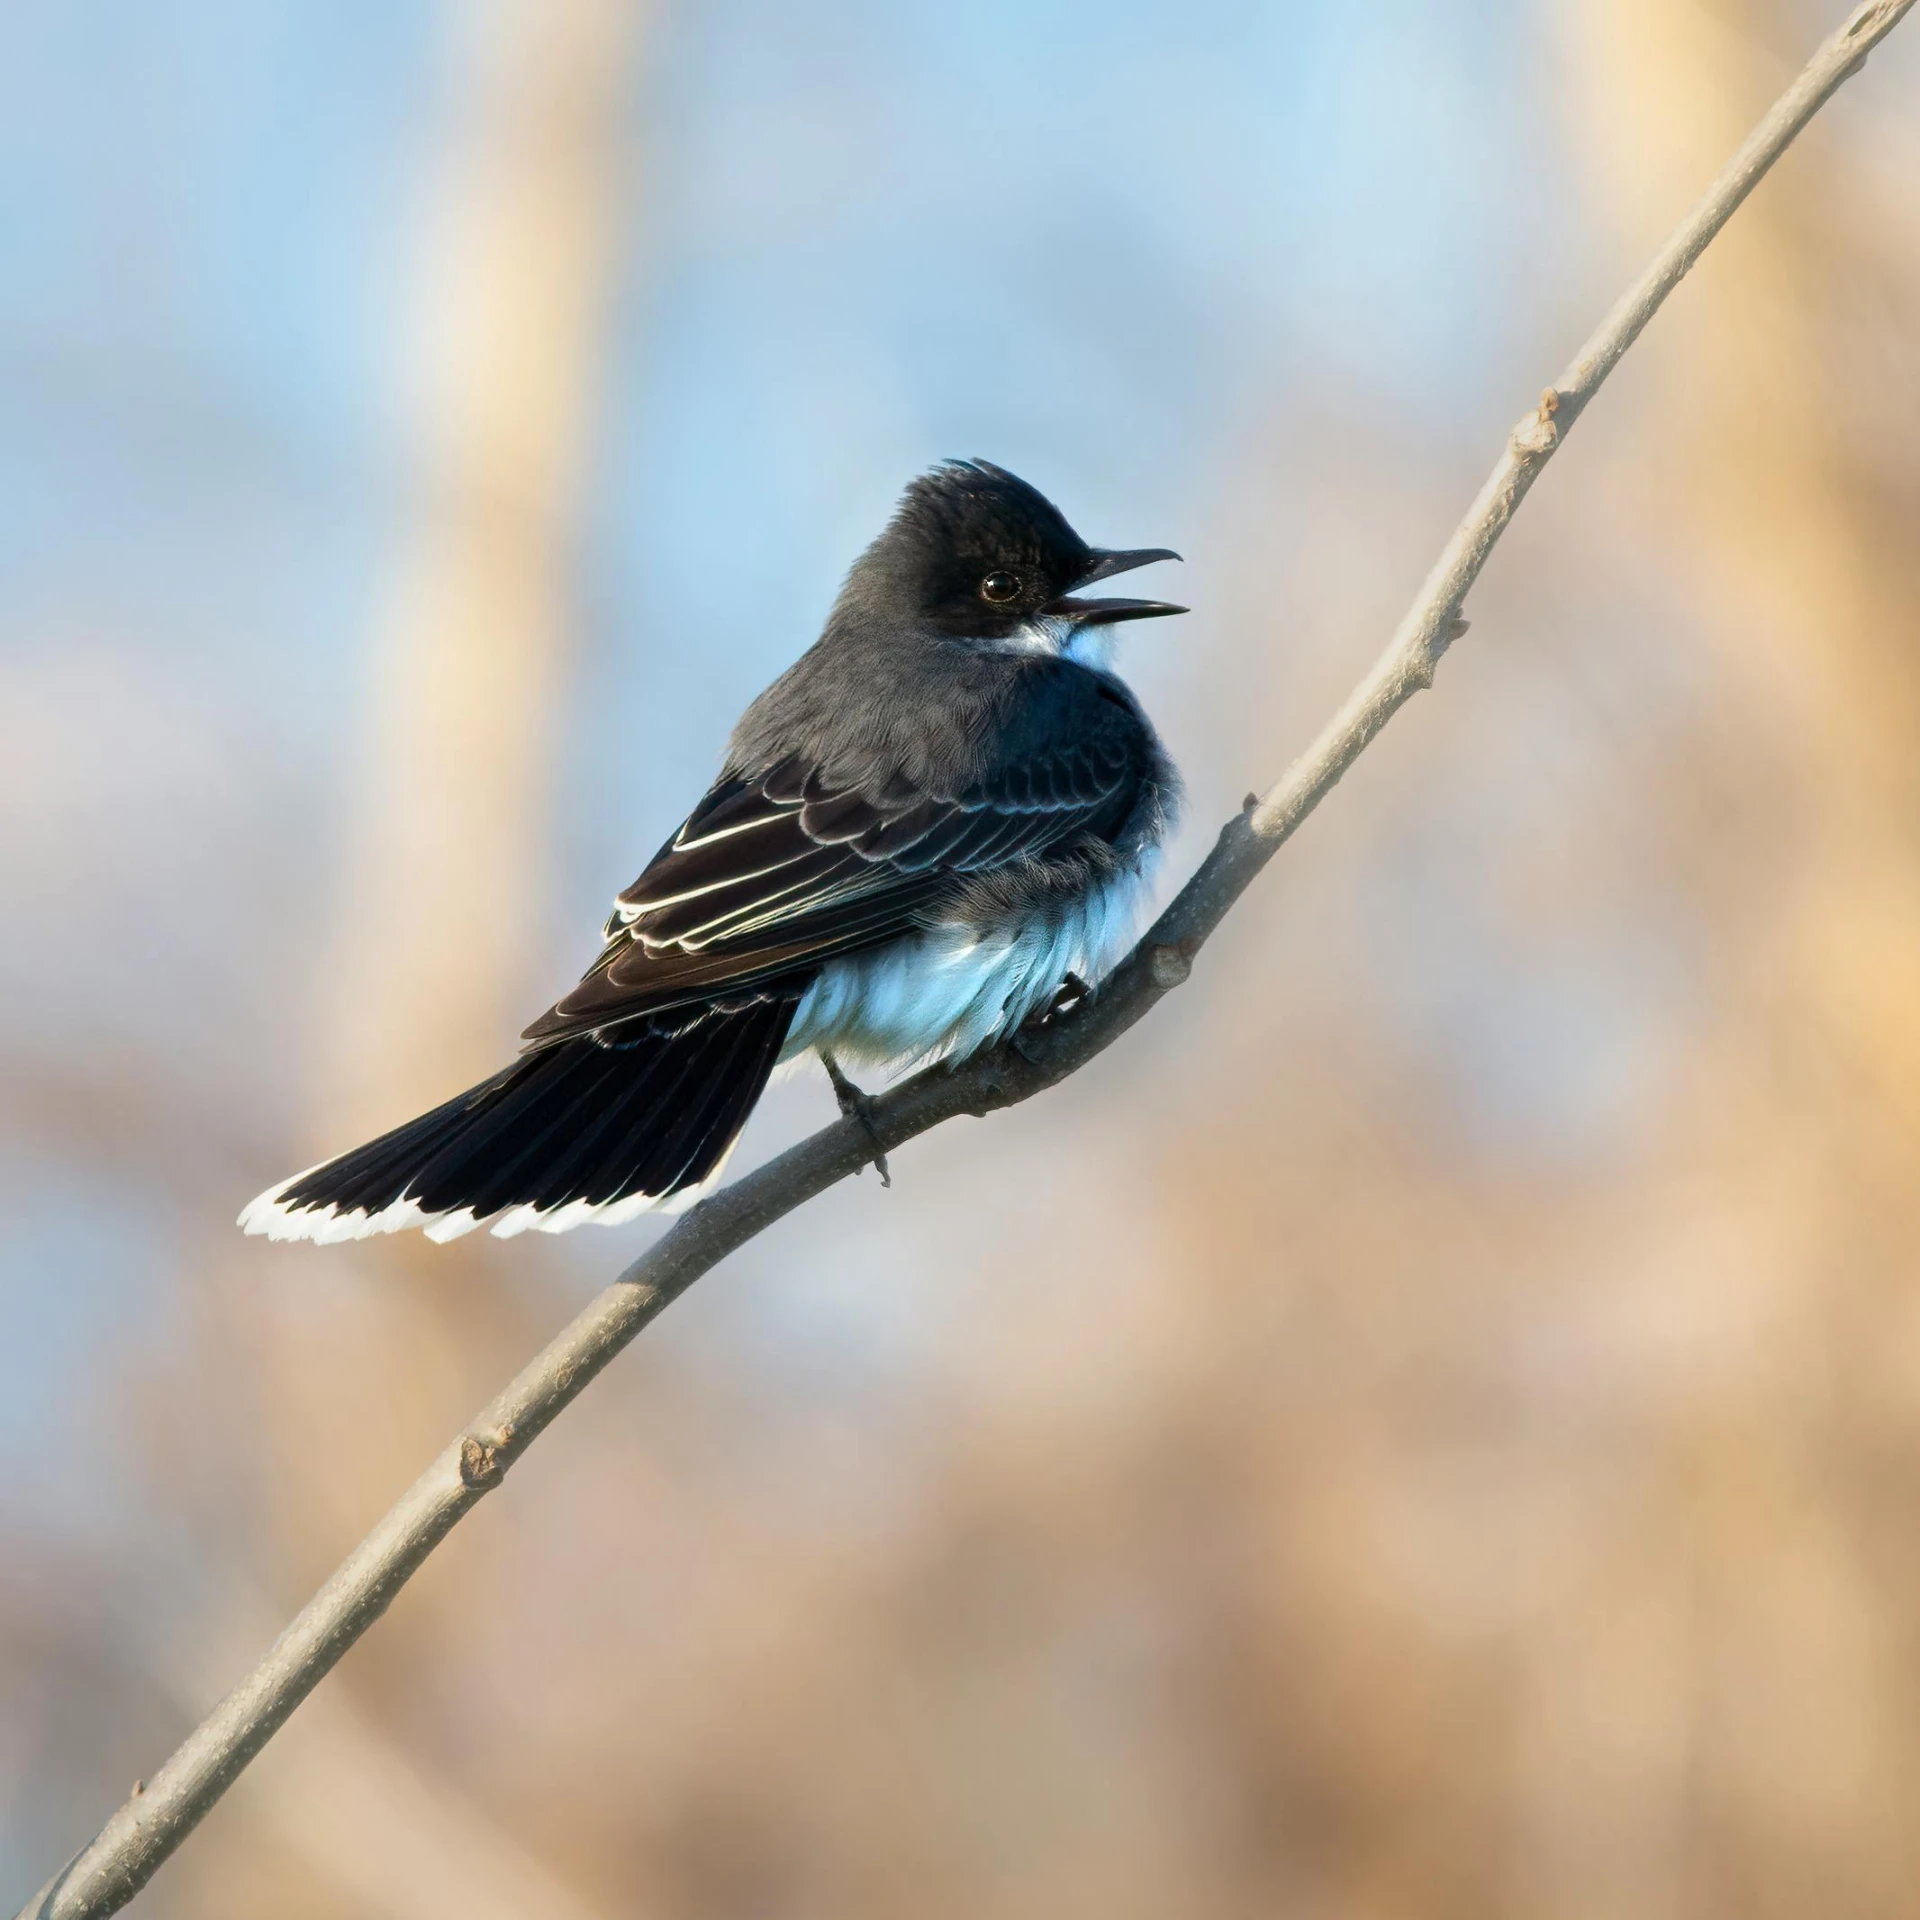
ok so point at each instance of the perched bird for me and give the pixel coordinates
(941, 816)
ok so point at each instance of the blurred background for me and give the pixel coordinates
(1430, 1425)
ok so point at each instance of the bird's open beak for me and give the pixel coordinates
(1100, 613)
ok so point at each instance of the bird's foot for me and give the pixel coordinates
(1071, 994)
(858, 1107)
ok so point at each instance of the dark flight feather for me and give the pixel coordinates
(577, 1121)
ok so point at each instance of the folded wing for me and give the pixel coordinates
(774, 874)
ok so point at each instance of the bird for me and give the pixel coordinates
(938, 826)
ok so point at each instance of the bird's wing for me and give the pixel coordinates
(774, 874)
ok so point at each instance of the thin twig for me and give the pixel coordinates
(114, 1867)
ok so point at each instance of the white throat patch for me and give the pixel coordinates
(1065, 639)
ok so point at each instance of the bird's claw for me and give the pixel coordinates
(857, 1107)
(1071, 992)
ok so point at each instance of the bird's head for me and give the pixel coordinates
(976, 554)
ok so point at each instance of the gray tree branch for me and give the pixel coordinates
(134, 1842)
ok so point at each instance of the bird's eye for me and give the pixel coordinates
(999, 586)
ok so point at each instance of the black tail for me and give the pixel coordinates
(584, 1130)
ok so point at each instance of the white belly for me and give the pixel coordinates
(949, 991)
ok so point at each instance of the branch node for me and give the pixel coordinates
(1536, 436)
(481, 1466)
(1168, 967)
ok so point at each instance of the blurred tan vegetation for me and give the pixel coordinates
(1318, 1509)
